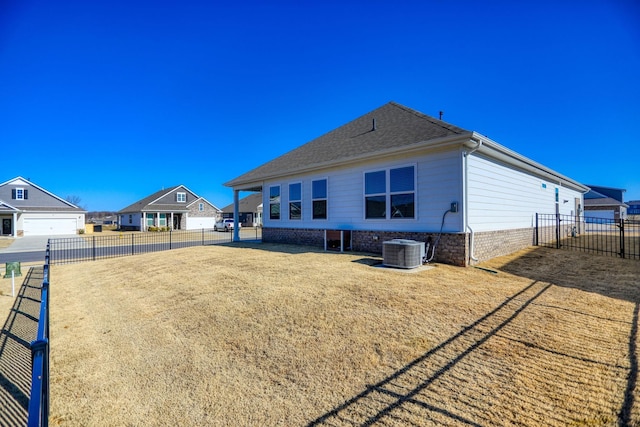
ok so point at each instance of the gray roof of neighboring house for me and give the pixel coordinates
(249, 203)
(391, 126)
(148, 203)
(603, 201)
(36, 199)
(595, 199)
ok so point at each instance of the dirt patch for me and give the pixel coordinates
(257, 334)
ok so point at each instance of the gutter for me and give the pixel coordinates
(404, 150)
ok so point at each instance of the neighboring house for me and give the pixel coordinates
(604, 203)
(177, 208)
(29, 210)
(249, 210)
(397, 173)
(634, 207)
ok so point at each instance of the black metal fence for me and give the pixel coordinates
(93, 247)
(38, 411)
(612, 237)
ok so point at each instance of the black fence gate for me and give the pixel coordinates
(613, 237)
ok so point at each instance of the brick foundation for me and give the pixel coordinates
(452, 248)
(490, 244)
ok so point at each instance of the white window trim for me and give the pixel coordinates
(201, 207)
(20, 190)
(181, 197)
(388, 194)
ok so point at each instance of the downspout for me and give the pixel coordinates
(466, 197)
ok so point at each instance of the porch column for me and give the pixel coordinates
(157, 221)
(14, 225)
(236, 201)
(171, 221)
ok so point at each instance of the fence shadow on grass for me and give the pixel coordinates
(17, 333)
(611, 277)
(464, 380)
(398, 396)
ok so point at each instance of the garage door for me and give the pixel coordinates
(49, 226)
(195, 223)
(594, 216)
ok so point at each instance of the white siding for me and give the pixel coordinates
(136, 219)
(439, 182)
(501, 197)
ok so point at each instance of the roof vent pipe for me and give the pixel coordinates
(373, 127)
(441, 113)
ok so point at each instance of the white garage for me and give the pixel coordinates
(49, 226)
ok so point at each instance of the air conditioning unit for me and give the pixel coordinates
(402, 253)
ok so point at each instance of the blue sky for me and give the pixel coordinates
(111, 101)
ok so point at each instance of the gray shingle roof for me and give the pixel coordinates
(395, 126)
(603, 201)
(146, 203)
(246, 204)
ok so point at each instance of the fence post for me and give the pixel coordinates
(622, 254)
(132, 243)
(203, 237)
(93, 238)
(170, 231)
(536, 238)
(557, 231)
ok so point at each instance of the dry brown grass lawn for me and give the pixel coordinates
(284, 335)
(5, 242)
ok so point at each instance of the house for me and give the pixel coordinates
(604, 203)
(27, 209)
(176, 208)
(397, 173)
(634, 207)
(249, 210)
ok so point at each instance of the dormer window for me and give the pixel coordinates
(181, 197)
(19, 194)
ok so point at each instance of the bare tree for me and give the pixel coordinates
(75, 200)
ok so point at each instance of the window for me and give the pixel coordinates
(399, 195)
(130, 219)
(181, 197)
(19, 194)
(163, 220)
(295, 201)
(150, 221)
(319, 197)
(201, 207)
(375, 185)
(402, 185)
(274, 202)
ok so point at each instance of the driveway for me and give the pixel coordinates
(27, 244)
(28, 248)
